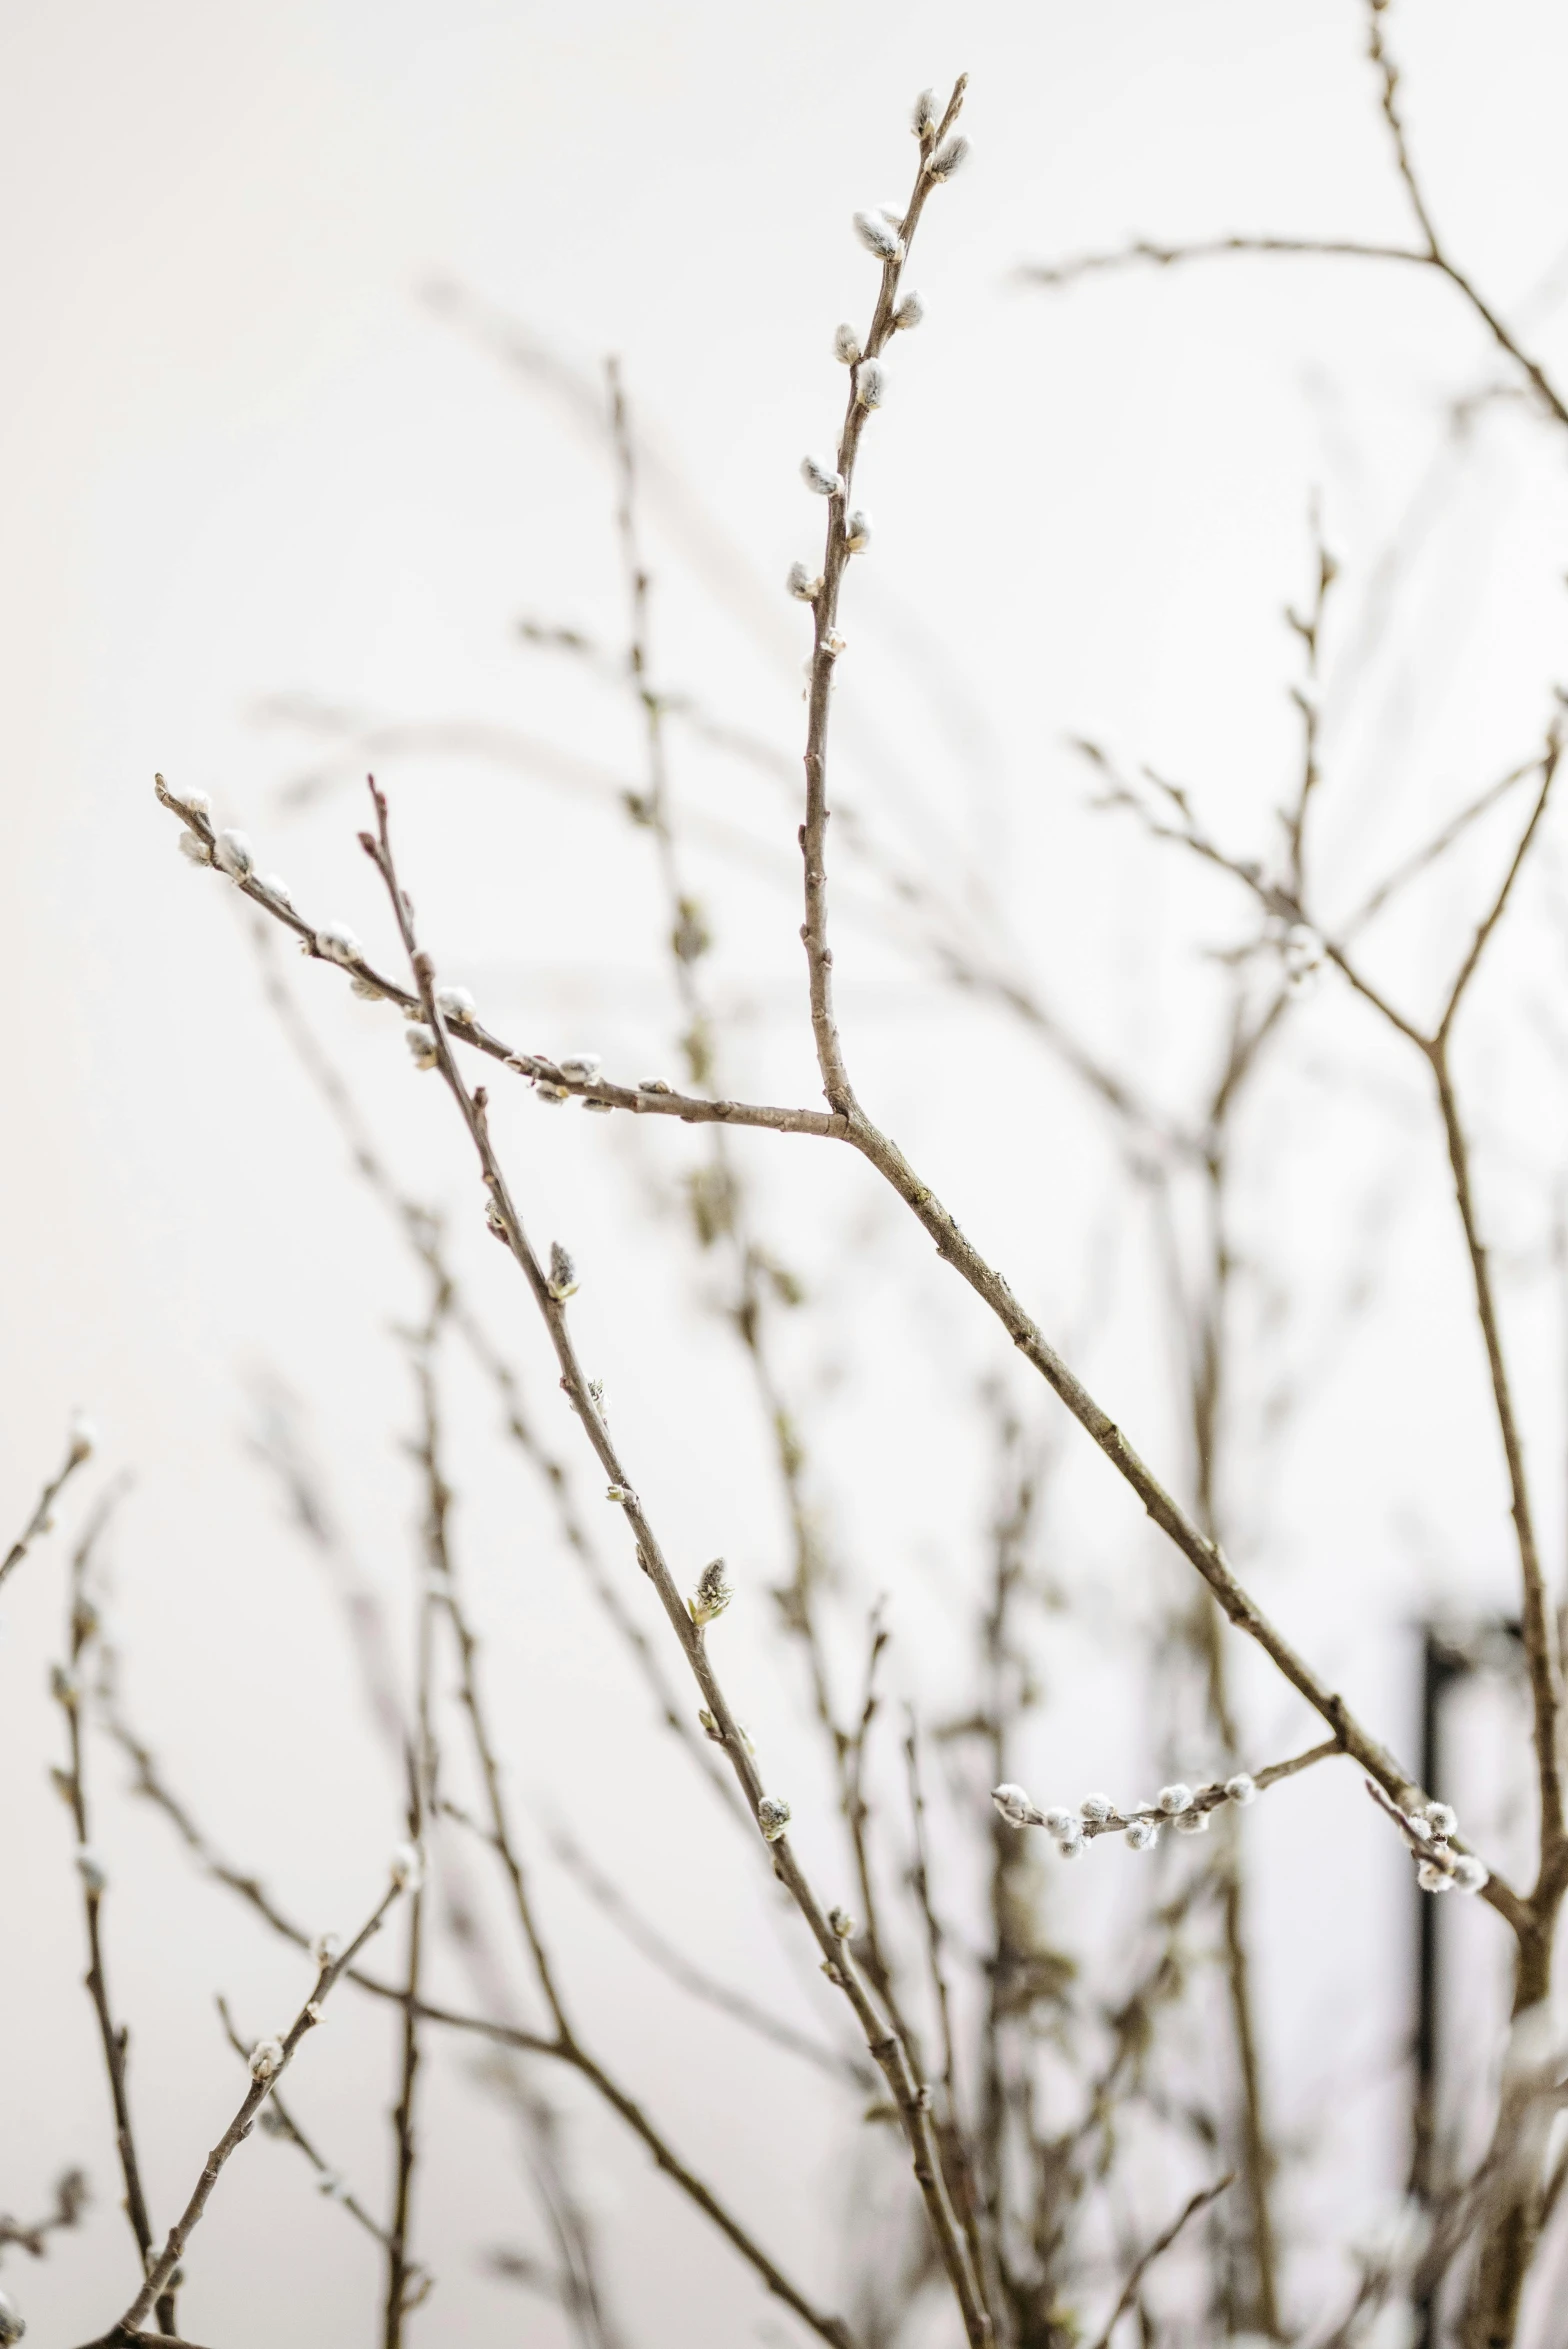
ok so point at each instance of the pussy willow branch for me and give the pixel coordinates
(240, 2127)
(883, 2045)
(726, 1204)
(421, 1230)
(503, 1842)
(280, 2122)
(1429, 253)
(149, 1783)
(956, 1249)
(1530, 1919)
(78, 1449)
(114, 2037)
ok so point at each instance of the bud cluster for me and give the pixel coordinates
(1179, 1807)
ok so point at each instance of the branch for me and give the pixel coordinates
(770, 1814)
(269, 2061)
(114, 2037)
(1160, 2245)
(79, 1448)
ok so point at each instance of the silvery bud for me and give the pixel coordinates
(846, 345)
(1174, 1798)
(90, 1868)
(842, 1923)
(1241, 1789)
(1142, 1834)
(191, 844)
(713, 1593)
(948, 157)
(407, 1866)
(198, 803)
(562, 1282)
(803, 584)
(1015, 1806)
(1056, 1821)
(421, 1042)
(232, 854)
(454, 1003)
(1442, 1818)
(1096, 1807)
(266, 2059)
(857, 531)
(1191, 1822)
(1433, 1877)
(325, 1951)
(870, 383)
(338, 943)
(878, 237)
(772, 1817)
(1470, 1874)
(822, 478)
(274, 886)
(923, 122)
(909, 313)
(581, 1067)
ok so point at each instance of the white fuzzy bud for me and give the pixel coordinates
(923, 121)
(1142, 1834)
(846, 345)
(1442, 1819)
(909, 313)
(325, 1951)
(949, 156)
(581, 1067)
(90, 1868)
(198, 802)
(1070, 1844)
(338, 943)
(600, 1108)
(274, 886)
(857, 531)
(1432, 1877)
(1097, 1807)
(454, 1003)
(822, 478)
(1470, 1874)
(365, 989)
(192, 845)
(842, 1923)
(421, 1042)
(12, 2323)
(266, 2059)
(84, 1435)
(1191, 1822)
(713, 1593)
(871, 383)
(407, 1866)
(232, 854)
(878, 236)
(772, 1817)
(804, 584)
(1174, 1798)
(1240, 1789)
(562, 1282)
(1015, 1806)
(1056, 1821)
(554, 1094)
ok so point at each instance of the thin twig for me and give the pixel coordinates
(1160, 2245)
(78, 1449)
